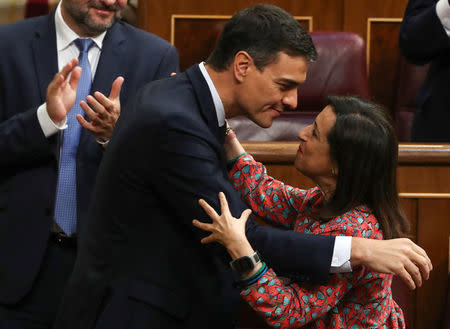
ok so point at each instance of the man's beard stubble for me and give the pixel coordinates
(83, 19)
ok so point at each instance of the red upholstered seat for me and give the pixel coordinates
(339, 70)
(410, 79)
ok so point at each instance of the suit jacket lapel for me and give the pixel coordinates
(205, 101)
(110, 66)
(45, 53)
(45, 57)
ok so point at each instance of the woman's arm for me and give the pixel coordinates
(268, 197)
(232, 146)
(288, 305)
(283, 304)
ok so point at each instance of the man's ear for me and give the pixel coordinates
(242, 65)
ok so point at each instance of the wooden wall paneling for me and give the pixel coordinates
(154, 15)
(433, 232)
(406, 298)
(196, 35)
(383, 43)
(422, 180)
(424, 175)
(383, 57)
(432, 155)
(357, 12)
(291, 177)
(409, 207)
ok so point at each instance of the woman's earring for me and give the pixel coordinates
(333, 172)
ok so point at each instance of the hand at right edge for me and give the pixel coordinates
(397, 256)
(61, 92)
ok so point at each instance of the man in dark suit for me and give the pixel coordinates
(424, 38)
(141, 263)
(37, 249)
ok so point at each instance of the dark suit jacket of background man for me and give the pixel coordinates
(29, 161)
(422, 40)
(141, 263)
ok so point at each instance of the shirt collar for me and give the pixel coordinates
(220, 110)
(65, 36)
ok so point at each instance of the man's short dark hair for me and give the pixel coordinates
(263, 31)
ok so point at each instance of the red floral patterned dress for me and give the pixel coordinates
(360, 299)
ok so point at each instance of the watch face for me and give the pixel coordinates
(244, 264)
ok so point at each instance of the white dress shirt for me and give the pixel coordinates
(443, 12)
(340, 262)
(67, 50)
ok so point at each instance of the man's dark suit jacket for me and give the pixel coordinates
(423, 40)
(141, 263)
(28, 160)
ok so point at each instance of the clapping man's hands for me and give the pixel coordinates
(103, 112)
(62, 92)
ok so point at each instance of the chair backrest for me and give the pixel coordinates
(410, 79)
(339, 70)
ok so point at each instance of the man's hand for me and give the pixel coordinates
(102, 112)
(61, 93)
(398, 256)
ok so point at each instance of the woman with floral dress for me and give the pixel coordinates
(350, 152)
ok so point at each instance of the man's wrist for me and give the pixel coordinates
(48, 126)
(359, 252)
(240, 249)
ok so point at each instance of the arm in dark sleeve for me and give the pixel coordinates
(22, 141)
(190, 168)
(422, 36)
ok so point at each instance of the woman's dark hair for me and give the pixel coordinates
(364, 147)
(262, 31)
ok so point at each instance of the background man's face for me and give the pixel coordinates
(92, 17)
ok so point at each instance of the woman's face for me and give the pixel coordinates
(313, 155)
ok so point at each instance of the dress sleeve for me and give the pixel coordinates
(269, 198)
(288, 305)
